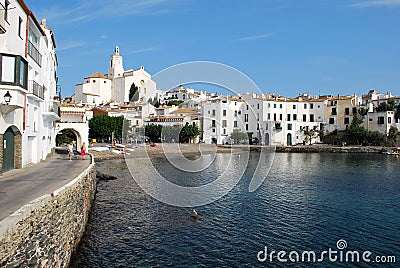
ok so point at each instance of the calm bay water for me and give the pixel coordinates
(307, 202)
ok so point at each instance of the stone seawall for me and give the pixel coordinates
(45, 232)
(310, 149)
(330, 149)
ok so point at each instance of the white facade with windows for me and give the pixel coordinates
(28, 74)
(221, 116)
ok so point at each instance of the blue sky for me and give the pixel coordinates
(286, 46)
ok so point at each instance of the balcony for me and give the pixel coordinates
(34, 53)
(51, 110)
(2, 19)
(36, 89)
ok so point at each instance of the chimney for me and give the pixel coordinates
(44, 22)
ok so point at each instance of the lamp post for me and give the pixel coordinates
(7, 97)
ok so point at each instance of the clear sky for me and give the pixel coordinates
(286, 46)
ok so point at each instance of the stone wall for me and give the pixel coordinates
(18, 151)
(45, 232)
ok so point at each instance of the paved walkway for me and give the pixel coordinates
(19, 187)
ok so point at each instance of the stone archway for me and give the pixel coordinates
(11, 153)
(81, 130)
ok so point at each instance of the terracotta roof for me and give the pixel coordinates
(97, 75)
(185, 111)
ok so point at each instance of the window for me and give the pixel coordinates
(347, 111)
(247, 107)
(94, 81)
(213, 112)
(183, 96)
(223, 112)
(246, 118)
(311, 118)
(269, 116)
(274, 117)
(280, 106)
(354, 110)
(389, 120)
(289, 126)
(223, 123)
(294, 117)
(381, 120)
(258, 106)
(269, 105)
(13, 70)
(334, 111)
(288, 117)
(213, 123)
(8, 69)
(331, 121)
(305, 105)
(274, 105)
(346, 120)
(235, 124)
(247, 127)
(294, 106)
(213, 130)
(258, 117)
(312, 106)
(20, 27)
(236, 113)
(301, 128)
(224, 131)
(281, 117)
(304, 117)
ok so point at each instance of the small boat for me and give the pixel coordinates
(391, 152)
(194, 214)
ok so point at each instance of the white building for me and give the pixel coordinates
(275, 120)
(28, 78)
(98, 88)
(221, 116)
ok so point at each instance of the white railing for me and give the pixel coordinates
(34, 53)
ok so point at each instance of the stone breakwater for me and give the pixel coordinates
(45, 232)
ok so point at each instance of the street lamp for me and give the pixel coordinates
(7, 97)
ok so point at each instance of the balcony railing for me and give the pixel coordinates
(2, 19)
(36, 89)
(52, 107)
(34, 53)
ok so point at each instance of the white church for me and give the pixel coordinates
(99, 88)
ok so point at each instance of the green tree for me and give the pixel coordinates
(375, 138)
(239, 136)
(356, 133)
(102, 127)
(310, 134)
(174, 102)
(133, 93)
(153, 132)
(188, 133)
(397, 112)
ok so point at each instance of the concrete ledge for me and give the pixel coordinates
(45, 231)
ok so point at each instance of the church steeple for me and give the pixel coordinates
(116, 68)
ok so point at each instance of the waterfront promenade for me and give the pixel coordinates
(21, 186)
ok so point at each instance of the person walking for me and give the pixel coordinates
(83, 151)
(70, 151)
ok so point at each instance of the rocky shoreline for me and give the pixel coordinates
(198, 149)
